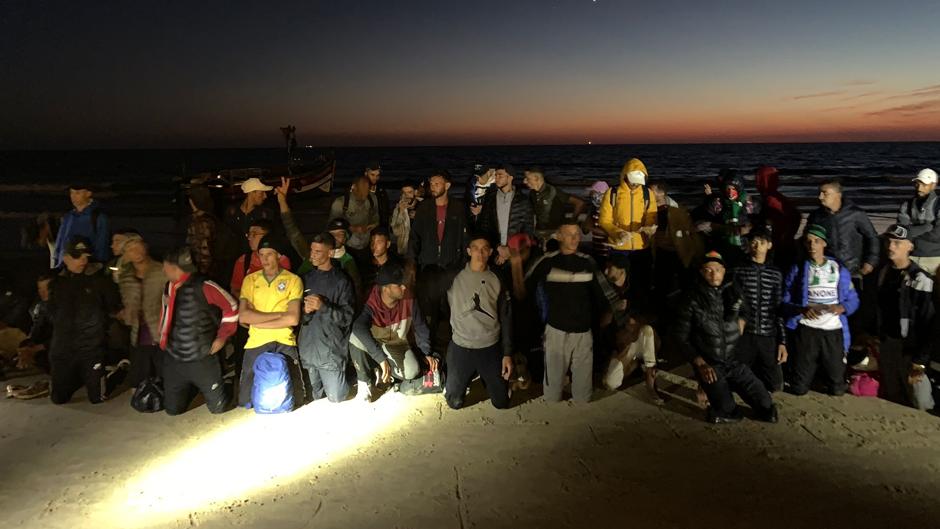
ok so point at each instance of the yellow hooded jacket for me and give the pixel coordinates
(628, 214)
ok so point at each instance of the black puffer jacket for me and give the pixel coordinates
(852, 238)
(80, 306)
(324, 334)
(707, 324)
(762, 287)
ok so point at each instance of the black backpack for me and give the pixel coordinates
(148, 397)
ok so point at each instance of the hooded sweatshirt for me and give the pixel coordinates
(628, 210)
(91, 223)
(777, 210)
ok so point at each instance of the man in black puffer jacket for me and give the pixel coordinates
(763, 345)
(81, 303)
(852, 238)
(506, 212)
(711, 320)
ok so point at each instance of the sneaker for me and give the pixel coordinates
(768, 415)
(735, 416)
(364, 392)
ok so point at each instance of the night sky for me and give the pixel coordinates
(92, 74)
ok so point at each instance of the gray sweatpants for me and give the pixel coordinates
(564, 351)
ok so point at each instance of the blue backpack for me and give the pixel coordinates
(273, 390)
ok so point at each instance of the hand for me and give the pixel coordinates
(704, 227)
(475, 210)
(741, 324)
(386, 372)
(781, 354)
(283, 188)
(489, 175)
(502, 254)
(217, 345)
(915, 375)
(812, 312)
(708, 189)
(26, 356)
(649, 230)
(507, 367)
(312, 303)
(706, 372)
(867, 268)
(433, 363)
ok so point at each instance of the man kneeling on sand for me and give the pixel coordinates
(390, 337)
(482, 329)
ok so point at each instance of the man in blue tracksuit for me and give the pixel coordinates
(818, 297)
(85, 220)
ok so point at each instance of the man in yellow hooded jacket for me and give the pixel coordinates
(628, 215)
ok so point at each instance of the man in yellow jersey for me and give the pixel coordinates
(269, 304)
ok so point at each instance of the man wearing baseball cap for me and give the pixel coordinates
(270, 304)
(921, 216)
(907, 325)
(240, 217)
(818, 298)
(84, 220)
(82, 301)
(390, 337)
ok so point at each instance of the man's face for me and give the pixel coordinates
(569, 237)
(660, 195)
(503, 179)
(815, 247)
(830, 197)
(438, 186)
(117, 243)
(256, 198)
(533, 180)
(42, 288)
(319, 253)
(79, 197)
(379, 245)
(76, 265)
(269, 259)
(394, 292)
(135, 252)
(360, 188)
(899, 249)
(923, 189)
(479, 251)
(373, 175)
(339, 236)
(713, 273)
(172, 272)
(615, 274)
(759, 247)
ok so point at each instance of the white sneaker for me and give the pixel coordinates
(364, 392)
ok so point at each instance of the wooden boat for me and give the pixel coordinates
(316, 177)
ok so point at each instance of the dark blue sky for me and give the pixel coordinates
(166, 74)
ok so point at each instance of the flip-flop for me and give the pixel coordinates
(13, 388)
(38, 389)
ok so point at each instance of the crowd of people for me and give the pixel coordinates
(518, 282)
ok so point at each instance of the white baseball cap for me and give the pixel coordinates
(927, 176)
(253, 184)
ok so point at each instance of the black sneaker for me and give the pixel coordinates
(768, 415)
(735, 416)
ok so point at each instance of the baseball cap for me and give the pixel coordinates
(253, 184)
(78, 247)
(181, 257)
(390, 274)
(898, 232)
(713, 257)
(338, 223)
(927, 176)
(270, 242)
(599, 187)
(818, 231)
(79, 185)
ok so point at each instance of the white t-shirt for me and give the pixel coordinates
(823, 289)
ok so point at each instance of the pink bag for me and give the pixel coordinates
(863, 385)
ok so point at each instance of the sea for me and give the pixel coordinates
(144, 184)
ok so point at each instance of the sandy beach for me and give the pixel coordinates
(411, 462)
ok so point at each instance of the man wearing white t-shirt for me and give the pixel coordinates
(818, 297)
